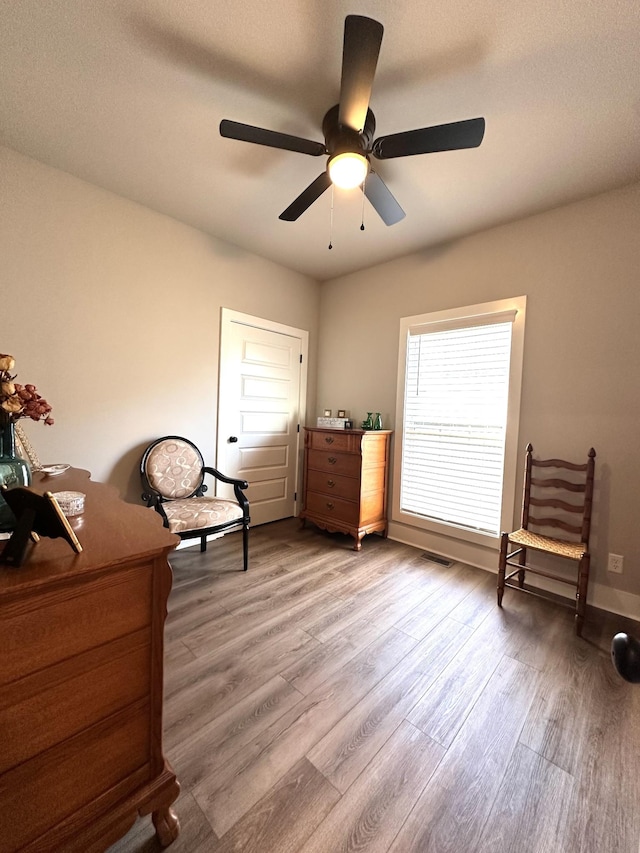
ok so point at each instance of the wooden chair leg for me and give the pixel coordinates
(203, 544)
(581, 596)
(502, 565)
(522, 559)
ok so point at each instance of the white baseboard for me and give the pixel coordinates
(600, 596)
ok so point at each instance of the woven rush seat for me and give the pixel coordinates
(571, 550)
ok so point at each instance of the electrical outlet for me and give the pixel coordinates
(615, 563)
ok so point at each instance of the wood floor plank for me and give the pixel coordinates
(528, 628)
(474, 607)
(441, 711)
(369, 815)
(368, 604)
(213, 744)
(234, 788)
(326, 659)
(552, 727)
(226, 684)
(439, 604)
(286, 816)
(451, 812)
(349, 746)
(231, 628)
(318, 571)
(532, 807)
(177, 655)
(243, 643)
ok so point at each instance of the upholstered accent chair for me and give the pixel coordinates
(173, 471)
(557, 497)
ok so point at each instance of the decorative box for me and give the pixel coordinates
(331, 423)
(71, 503)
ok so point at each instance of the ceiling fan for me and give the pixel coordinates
(349, 127)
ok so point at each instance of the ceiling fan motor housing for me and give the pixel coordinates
(340, 139)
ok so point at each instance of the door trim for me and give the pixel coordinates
(228, 317)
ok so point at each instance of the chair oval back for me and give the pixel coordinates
(173, 467)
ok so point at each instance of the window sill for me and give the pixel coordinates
(451, 531)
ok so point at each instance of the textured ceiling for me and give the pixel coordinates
(128, 95)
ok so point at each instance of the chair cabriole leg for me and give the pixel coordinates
(245, 546)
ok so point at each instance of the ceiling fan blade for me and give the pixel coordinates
(306, 198)
(260, 136)
(362, 40)
(426, 140)
(382, 199)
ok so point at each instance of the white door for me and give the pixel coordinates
(262, 386)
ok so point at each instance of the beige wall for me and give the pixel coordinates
(580, 269)
(113, 312)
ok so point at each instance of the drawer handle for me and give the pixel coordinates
(330, 505)
(331, 460)
(331, 483)
(329, 439)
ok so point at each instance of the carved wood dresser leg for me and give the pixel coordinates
(167, 825)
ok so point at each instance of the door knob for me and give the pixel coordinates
(233, 439)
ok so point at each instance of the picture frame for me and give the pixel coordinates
(341, 413)
(36, 515)
(327, 413)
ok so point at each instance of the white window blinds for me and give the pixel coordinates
(455, 418)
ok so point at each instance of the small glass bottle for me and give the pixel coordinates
(377, 421)
(368, 423)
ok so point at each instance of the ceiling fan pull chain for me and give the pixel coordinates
(362, 224)
(331, 220)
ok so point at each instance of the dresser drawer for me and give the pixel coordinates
(334, 485)
(39, 632)
(329, 507)
(334, 440)
(336, 463)
(103, 762)
(48, 707)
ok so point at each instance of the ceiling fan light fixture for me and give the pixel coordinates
(348, 170)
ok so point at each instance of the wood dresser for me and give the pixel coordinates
(81, 669)
(346, 473)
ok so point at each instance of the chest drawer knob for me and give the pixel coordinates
(330, 505)
(331, 483)
(331, 460)
(329, 439)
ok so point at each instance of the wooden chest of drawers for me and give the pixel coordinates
(345, 480)
(81, 681)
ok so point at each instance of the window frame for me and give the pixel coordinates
(454, 318)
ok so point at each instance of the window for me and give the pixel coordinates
(458, 403)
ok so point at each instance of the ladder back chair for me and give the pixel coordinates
(557, 496)
(172, 471)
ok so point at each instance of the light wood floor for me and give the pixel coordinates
(331, 701)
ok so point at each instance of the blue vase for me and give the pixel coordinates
(14, 471)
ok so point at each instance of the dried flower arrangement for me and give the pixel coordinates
(19, 401)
